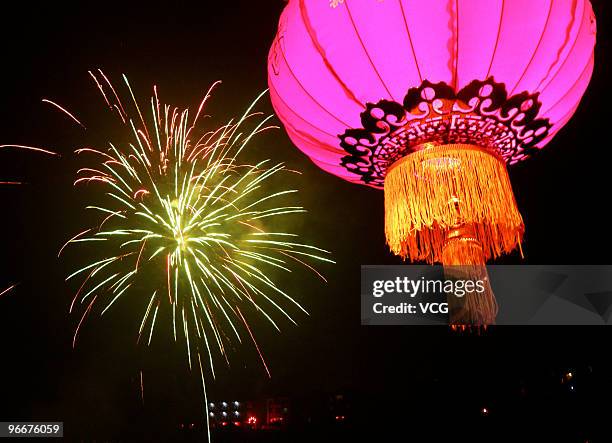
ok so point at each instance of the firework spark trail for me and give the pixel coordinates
(7, 290)
(191, 224)
(263, 360)
(14, 182)
(64, 110)
(29, 148)
(141, 388)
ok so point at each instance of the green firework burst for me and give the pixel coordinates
(187, 218)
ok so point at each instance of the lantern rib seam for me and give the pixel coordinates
(570, 88)
(499, 28)
(348, 10)
(566, 117)
(297, 114)
(569, 53)
(560, 50)
(416, 62)
(535, 51)
(304, 15)
(560, 124)
(306, 91)
(456, 50)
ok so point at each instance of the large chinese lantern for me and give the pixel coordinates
(431, 100)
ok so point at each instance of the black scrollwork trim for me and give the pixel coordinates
(481, 113)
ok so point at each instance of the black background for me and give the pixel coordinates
(393, 374)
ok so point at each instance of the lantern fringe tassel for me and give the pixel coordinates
(432, 191)
(454, 204)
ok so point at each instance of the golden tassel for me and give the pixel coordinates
(433, 190)
(454, 204)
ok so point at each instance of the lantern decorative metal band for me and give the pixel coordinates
(430, 100)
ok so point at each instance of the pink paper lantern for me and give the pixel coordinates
(358, 83)
(430, 100)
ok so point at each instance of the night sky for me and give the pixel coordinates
(563, 194)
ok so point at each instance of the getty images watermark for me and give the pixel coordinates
(414, 289)
(525, 294)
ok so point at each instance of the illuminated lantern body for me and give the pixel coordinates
(430, 100)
